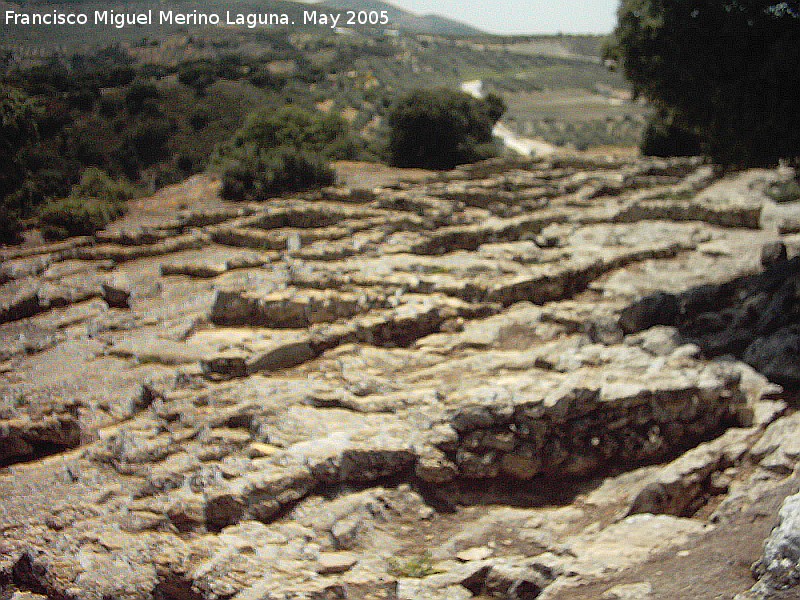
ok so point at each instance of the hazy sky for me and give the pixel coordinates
(524, 16)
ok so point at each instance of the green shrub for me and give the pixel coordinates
(110, 105)
(282, 151)
(154, 71)
(253, 173)
(93, 202)
(19, 116)
(138, 95)
(49, 181)
(231, 66)
(96, 183)
(71, 216)
(199, 119)
(441, 128)
(415, 566)
(324, 134)
(149, 140)
(198, 75)
(186, 164)
(262, 77)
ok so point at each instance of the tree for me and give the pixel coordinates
(441, 128)
(139, 94)
(149, 138)
(18, 129)
(665, 136)
(723, 70)
(199, 75)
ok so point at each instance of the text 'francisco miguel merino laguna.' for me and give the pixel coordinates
(170, 17)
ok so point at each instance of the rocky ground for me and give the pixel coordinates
(564, 378)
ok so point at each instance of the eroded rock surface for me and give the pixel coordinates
(512, 380)
(779, 569)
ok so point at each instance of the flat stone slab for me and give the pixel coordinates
(331, 563)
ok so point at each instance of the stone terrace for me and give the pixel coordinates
(464, 386)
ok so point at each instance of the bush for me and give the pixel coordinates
(46, 182)
(324, 134)
(418, 567)
(149, 140)
(200, 119)
(96, 183)
(262, 77)
(198, 75)
(71, 216)
(138, 94)
(93, 203)
(185, 164)
(254, 173)
(110, 106)
(231, 66)
(439, 129)
(282, 151)
(19, 116)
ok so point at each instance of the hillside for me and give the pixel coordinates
(572, 378)
(405, 20)
(398, 18)
(153, 109)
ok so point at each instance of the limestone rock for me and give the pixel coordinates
(476, 553)
(779, 568)
(30, 436)
(685, 484)
(509, 380)
(631, 591)
(779, 448)
(658, 309)
(777, 355)
(331, 563)
(116, 296)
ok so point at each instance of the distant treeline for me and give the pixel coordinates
(143, 123)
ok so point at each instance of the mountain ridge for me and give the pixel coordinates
(407, 20)
(398, 17)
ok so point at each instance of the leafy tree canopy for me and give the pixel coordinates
(18, 115)
(441, 128)
(724, 70)
(199, 75)
(18, 127)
